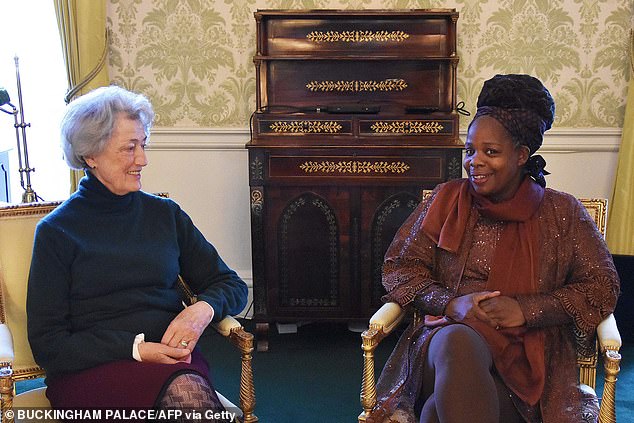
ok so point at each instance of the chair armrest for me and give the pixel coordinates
(225, 326)
(610, 343)
(388, 317)
(6, 370)
(381, 324)
(230, 328)
(608, 334)
(6, 344)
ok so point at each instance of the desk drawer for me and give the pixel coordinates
(315, 129)
(412, 32)
(310, 83)
(313, 126)
(289, 168)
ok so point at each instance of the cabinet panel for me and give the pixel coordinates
(389, 33)
(307, 251)
(325, 247)
(406, 167)
(303, 83)
(384, 219)
(322, 129)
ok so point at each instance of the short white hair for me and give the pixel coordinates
(89, 120)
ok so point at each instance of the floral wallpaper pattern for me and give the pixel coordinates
(194, 58)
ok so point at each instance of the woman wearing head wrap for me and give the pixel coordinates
(511, 277)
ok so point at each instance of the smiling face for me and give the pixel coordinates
(492, 161)
(119, 166)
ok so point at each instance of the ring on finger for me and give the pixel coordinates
(184, 343)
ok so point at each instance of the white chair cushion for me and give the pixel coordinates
(228, 405)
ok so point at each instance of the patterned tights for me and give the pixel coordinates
(190, 391)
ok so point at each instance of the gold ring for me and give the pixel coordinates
(184, 343)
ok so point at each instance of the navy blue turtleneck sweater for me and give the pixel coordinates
(104, 269)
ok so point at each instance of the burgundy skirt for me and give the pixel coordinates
(122, 384)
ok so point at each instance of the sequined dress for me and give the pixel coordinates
(578, 287)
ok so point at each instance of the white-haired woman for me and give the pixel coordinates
(105, 315)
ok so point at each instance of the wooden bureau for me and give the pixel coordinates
(355, 115)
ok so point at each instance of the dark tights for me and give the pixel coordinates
(191, 391)
(459, 384)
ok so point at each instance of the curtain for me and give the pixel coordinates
(84, 37)
(620, 236)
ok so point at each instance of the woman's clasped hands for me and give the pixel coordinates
(491, 307)
(180, 337)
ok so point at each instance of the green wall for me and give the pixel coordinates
(194, 58)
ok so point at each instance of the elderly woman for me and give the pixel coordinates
(106, 319)
(511, 277)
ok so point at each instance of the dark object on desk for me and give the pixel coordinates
(354, 109)
(350, 109)
(420, 109)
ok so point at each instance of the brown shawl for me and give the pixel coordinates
(518, 353)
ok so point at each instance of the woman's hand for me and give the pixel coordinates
(468, 306)
(153, 352)
(505, 312)
(187, 327)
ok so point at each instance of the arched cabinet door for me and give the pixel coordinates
(308, 250)
(388, 218)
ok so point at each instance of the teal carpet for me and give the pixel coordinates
(313, 376)
(310, 376)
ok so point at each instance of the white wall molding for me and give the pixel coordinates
(561, 140)
(576, 140)
(192, 139)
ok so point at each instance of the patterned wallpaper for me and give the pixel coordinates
(194, 58)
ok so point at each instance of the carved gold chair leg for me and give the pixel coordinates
(369, 341)
(244, 342)
(611, 366)
(381, 324)
(6, 393)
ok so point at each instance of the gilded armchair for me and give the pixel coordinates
(17, 226)
(390, 315)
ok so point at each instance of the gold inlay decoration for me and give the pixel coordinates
(357, 36)
(354, 166)
(407, 127)
(356, 86)
(306, 127)
(257, 199)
